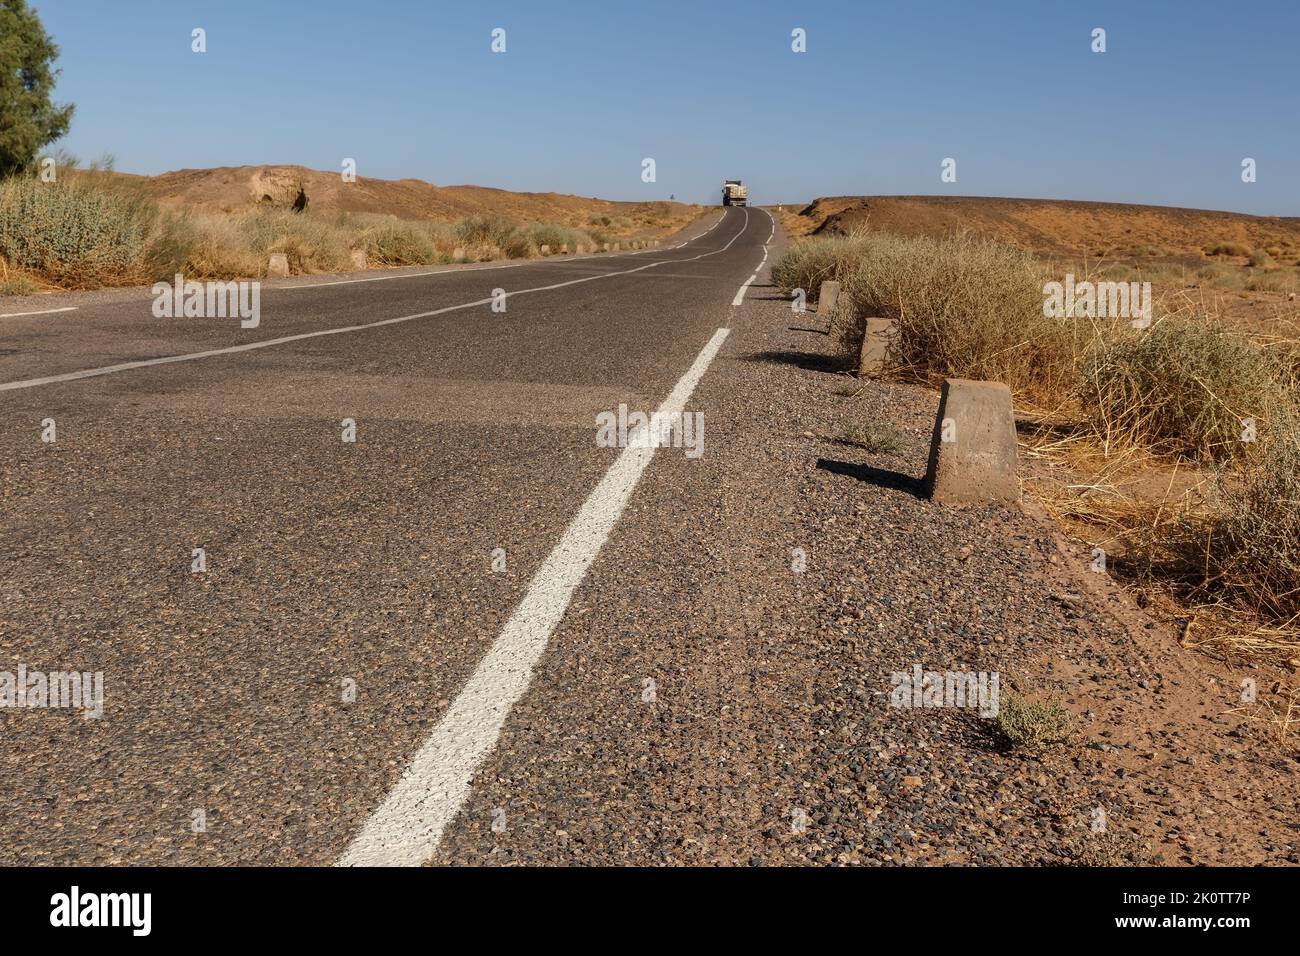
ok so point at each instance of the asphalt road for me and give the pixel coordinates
(229, 734)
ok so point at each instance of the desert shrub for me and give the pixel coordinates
(875, 437)
(486, 230)
(1228, 249)
(548, 234)
(1271, 280)
(398, 243)
(809, 263)
(15, 283)
(1183, 386)
(1259, 258)
(204, 246)
(519, 245)
(1253, 544)
(311, 242)
(73, 232)
(1033, 725)
(963, 306)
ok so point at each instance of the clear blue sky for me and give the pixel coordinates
(710, 90)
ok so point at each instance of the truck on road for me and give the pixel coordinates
(734, 193)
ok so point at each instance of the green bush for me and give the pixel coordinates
(74, 233)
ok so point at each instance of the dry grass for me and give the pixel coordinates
(1139, 433)
(877, 437)
(1184, 387)
(87, 231)
(962, 306)
(1033, 726)
(1252, 551)
(1279, 720)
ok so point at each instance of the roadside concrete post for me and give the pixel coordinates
(278, 266)
(877, 339)
(458, 253)
(359, 259)
(973, 448)
(828, 297)
(545, 250)
(604, 247)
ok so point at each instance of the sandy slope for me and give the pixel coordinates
(1054, 226)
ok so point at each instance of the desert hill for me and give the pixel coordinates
(235, 188)
(1057, 227)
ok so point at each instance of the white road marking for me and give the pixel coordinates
(740, 295)
(268, 343)
(407, 827)
(14, 315)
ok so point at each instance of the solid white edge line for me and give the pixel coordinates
(740, 295)
(268, 343)
(407, 827)
(14, 315)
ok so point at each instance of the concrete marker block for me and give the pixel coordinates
(359, 259)
(545, 250)
(828, 297)
(973, 448)
(877, 341)
(458, 253)
(278, 266)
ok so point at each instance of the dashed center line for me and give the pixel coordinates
(14, 315)
(740, 293)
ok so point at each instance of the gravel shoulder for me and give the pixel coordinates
(702, 698)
